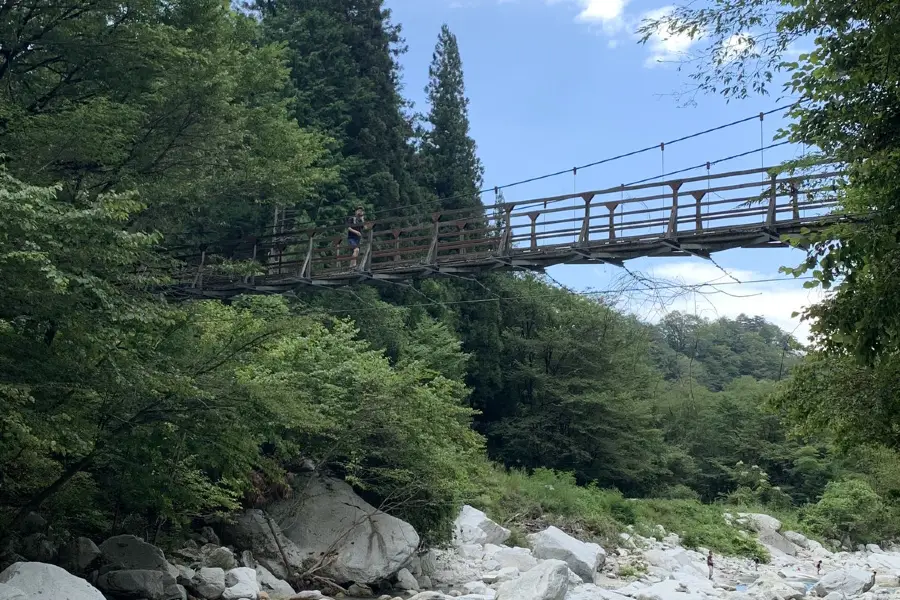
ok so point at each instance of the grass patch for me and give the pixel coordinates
(527, 503)
(626, 571)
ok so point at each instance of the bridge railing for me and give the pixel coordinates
(678, 209)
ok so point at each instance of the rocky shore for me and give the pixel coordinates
(326, 542)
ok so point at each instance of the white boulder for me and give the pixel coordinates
(850, 582)
(359, 542)
(406, 580)
(771, 586)
(270, 583)
(583, 558)
(39, 580)
(773, 539)
(474, 527)
(241, 584)
(590, 591)
(760, 522)
(547, 581)
(8, 592)
(520, 558)
(796, 538)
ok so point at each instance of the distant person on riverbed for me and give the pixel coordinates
(355, 225)
(756, 563)
(709, 563)
(819, 567)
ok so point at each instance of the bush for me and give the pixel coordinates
(848, 510)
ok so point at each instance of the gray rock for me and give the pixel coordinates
(253, 531)
(547, 581)
(8, 592)
(140, 583)
(326, 518)
(428, 596)
(797, 538)
(210, 536)
(128, 552)
(520, 558)
(850, 582)
(33, 523)
(406, 581)
(360, 590)
(185, 574)
(775, 540)
(208, 583)
(42, 581)
(220, 557)
(760, 522)
(79, 555)
(38, 547)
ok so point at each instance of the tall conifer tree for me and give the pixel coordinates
(342, 56)
(454, 171)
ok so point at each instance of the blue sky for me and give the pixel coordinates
(558, 83)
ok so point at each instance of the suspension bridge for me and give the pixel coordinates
(696, 216)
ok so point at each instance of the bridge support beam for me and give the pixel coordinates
(672, 228)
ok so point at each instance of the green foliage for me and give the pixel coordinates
(346, 83)
(754, 487)
(846, 112)
(700, 526)
(631, 571)
(552, 497)
(172, 99)
(849, 510)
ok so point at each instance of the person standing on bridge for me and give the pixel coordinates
(355, 225)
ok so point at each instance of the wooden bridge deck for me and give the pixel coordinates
(755, 208)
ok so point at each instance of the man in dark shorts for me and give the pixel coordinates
(709, 563)
(355, 225)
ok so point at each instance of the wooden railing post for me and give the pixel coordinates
(698, 217)
(433, 248)
(255, 246)
(773, 201)
(672, 228)
(795, 203)
(337, 252)
(198, 278)
(585, 235)
(533, 216)
(366, 263)
(461, 228)
(306, 270)
(506, 235)
(612, 206)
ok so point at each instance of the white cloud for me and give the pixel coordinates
(773, 300)
(665, 45)
(602, 11)
(737, 46)
(612, 44)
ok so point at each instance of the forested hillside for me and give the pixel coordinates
(132, 126)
